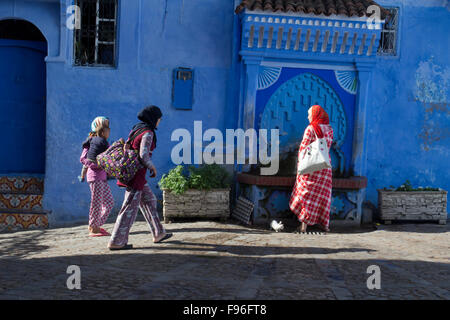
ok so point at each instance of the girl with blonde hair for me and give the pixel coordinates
(102, 200)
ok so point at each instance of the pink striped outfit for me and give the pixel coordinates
(138, 195)
(102, 200)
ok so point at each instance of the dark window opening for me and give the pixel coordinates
(389, 34)
(95, 41)
(15, 29)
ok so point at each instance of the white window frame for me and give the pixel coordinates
(394, 31)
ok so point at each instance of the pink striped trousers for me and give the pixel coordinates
(134, 200)
(102, 203)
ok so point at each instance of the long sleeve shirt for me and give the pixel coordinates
(94, 173)
(144, 149)
(143, 143)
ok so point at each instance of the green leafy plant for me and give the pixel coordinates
(205, 177)
(175, 181)
(208, 177)
(407, 186)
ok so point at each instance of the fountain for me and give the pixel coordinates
(285, 108)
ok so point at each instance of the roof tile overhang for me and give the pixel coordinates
(349, 8)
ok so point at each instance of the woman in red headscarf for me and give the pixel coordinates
(311, 196)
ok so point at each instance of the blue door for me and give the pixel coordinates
(22, 106)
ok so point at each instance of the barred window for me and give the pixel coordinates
(388, 40)
(95, 41)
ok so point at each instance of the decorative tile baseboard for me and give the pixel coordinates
(21, 203)
(22, 221)
(24, 185)
(25, 202)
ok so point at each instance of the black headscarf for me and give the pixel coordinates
(148, 116)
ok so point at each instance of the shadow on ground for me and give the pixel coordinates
(414, 226)
(22, 246)
(250, 250)
(137, 275)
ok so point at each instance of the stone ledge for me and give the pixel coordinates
(289, 181)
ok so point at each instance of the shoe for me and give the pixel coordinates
(101, 234)
(125, 247)
(106, 233)
(167, 236)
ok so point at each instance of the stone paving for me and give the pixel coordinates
(224, 260)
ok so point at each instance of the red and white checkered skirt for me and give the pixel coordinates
(311, 197)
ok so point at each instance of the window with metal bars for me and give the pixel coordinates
(95, 41)
(388, 40)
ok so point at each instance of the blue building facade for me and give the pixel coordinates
(397, 102)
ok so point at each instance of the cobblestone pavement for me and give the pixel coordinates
(212, 260)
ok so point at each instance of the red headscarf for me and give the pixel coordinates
(319, 116)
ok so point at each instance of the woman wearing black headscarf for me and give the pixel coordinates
(138, 194)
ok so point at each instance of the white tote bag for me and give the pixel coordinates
(314, 157)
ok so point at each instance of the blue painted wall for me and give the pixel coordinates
(409, 107)
(154, 37)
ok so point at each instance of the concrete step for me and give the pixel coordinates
(17, 220)
(23, 202)
(21, 185)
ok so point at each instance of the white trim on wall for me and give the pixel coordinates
(308, 65)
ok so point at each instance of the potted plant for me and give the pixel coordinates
(202, 191)
(408, 203)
